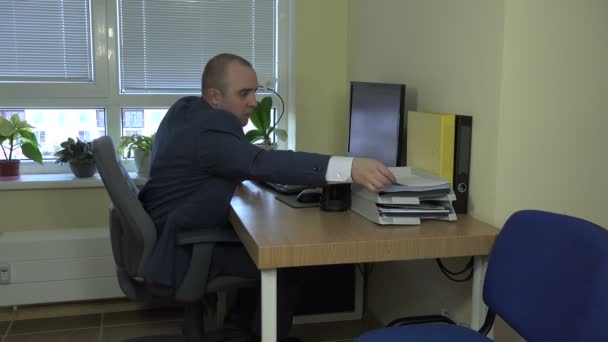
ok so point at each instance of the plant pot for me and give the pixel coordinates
(9, 170)
(83, 168)
(268, 147)
(142, 162)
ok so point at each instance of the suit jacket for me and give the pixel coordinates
(199, 156)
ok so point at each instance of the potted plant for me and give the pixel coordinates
(79, 155)
(141, 147)
(16, 133)
(264, 127)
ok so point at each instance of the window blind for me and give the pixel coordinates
(45, 41)
(165, 44)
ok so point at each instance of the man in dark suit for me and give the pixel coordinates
(199, 157)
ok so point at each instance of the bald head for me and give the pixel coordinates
(216, 70)
(230, 84)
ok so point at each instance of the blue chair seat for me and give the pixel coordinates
(424, 333)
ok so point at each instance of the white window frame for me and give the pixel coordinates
(104, 92)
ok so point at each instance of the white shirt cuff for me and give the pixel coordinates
(339, 170)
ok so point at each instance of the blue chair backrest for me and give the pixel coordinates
(548, 277)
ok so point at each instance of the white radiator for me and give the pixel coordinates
(51, 266)
(57, 266)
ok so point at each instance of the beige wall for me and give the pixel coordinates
(53, 209)
(449, 55)
(532, 74)
(554, 112)
(321, 76)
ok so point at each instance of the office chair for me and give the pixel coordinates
(547, 277)
(133, 236)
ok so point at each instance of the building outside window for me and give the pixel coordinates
(8, 113)
(84, 135)
(101, 118)
(57, 125)
(41, 137)
(133, 118)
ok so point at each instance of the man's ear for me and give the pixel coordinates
(213, 97)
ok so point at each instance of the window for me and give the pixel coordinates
(59, 124)
(101, 118)
(45, 41)
(165, 44)
(133, 118)
(83, 118)
(41, 137)
(110, 63)
(147, 120)
(84, 135)
(7, 113)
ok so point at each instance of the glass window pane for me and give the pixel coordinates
(141, 121)
(53, 126)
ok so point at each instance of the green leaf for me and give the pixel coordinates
(6, 128)
(32, 152)
(130, 143)
(281, 134)
(17, 123)
(254, 135)
(265, 106)
(26, 134)
(256, 118)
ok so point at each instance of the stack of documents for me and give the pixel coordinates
(416, 195)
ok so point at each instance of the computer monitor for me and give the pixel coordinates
(376, 122)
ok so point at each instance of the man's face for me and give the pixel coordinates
(239, 96)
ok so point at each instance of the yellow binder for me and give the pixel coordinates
(430, 142)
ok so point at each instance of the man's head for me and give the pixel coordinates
(229, 83)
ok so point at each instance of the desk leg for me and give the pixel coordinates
(478, 309)
(269, 305)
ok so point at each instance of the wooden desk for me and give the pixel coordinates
(277, 235)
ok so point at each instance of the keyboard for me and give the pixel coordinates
(287, 189)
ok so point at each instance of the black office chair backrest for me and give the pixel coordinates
(134, 238)
(548, 277)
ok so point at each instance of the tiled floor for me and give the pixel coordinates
(118, 326)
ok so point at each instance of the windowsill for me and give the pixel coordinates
(58, 181)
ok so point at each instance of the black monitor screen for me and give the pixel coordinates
(376, 121)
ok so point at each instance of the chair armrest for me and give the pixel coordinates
(206, 236)
(420, 320)
(193, 286)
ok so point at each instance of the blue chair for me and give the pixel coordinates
(547, 277)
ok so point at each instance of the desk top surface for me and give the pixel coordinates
(277, 235)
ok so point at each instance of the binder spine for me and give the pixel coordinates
(462, 162)
(446, 147)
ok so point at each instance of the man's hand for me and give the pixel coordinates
(372, 174)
